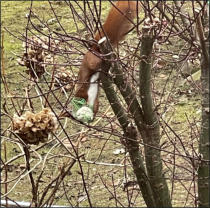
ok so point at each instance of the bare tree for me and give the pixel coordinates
(145, 145)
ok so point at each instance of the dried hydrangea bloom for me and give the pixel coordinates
(33, 128)
(38, 54)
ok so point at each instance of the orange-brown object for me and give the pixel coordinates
(116, 26)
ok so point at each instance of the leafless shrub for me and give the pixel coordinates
(79, 163)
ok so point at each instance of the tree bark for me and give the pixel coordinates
(130, 132)
(204, 144)
(151, 124)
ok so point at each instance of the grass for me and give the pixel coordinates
(96, 146)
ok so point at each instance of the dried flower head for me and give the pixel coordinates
(63, 77)
(33, 128)
(38, 54)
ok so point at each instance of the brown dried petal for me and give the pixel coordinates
(34, 129)
(28, 124)
(37, 117)
(41, 126)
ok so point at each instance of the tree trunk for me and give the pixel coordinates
(151, 124)
(130, 133)
(204, 144)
